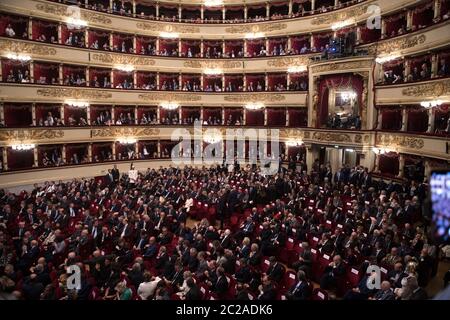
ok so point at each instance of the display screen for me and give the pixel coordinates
(440, 204)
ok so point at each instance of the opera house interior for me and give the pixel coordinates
(107, 109)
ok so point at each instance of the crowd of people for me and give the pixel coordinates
(133, 235)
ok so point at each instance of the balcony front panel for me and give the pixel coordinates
(59, 12)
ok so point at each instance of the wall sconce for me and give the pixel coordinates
(296, 69)
(23, 147)
(78, 104)
(254, 106)
(169, 105)
(18, 57)
(381, 150)
(169, 35)
(342, 24)
(254, 35)
(212, 139)
(431, 104)
(125, 140)
(294, 143)
(125, 67)
(76, 23)
(212, 3)
(383, 59)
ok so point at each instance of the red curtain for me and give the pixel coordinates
(417, 120)
(42, 111)
(17, 160)
(144, 78)
(75, 113)
(45, 70)
(298, 117)
(336, 81)
(389, 163)
(46, 28)
(370, 35)
(18, 24)
(254, 118)
(79, 149)
(321, 39)
(394, 23)
(391, 119)
(276, 117)
(18, 115)
(276, 80)
(423, 15)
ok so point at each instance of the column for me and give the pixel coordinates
(90, 152)
(88, 114)
(134, 8)
(61, 111)
(287, 117)
(244, 116)
(60, 33)
(377, 163)
(36, 157)
(136, 121)
(428, 168)
(180, 114)
(434, 66)
(311, 155)
(135, 84)
(2, 113)
(267, 46)
(265, 117)
(179, 12)
(266, 79)
(223, 115)
(158, 117)
(159, 148)
(313, 7)
(134, 44)
(157, 46)
(179, 47)
(383, 28)
(30, 29)
(223, 82)
(136, 147)
(63, 153)
(223, 47)
(288, 80)
(268, 10)
(358, 34)
(111, 42)
(404, 119)
(5, 159)
(110, 5)
(245, 13)
(289, 43)
(201, 81)
(431, 118)
(201, 115)
(245, 82)
(223, 13)
(60, 71)
(202, 48)
(202, 13)
(157, 10)
(86, 38)
(32, 71)
(290, 8)
(409, 16)
(113, 114)
(437, 10)
(245, 48)
(33, 114)
(311, 41)
(336, 3)
(88, 76)
(407, 70)
(112, 78)
(113, 147)
(401, 166)
(379, 118)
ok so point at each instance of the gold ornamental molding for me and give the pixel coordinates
(64, 11)
(124, 132)
(30, 135)
(288, 62)
(74, 93)
(166, 27)
(342, 15)
(394, 141)
(292, 134)
(213, 65)
(268, 27)
(24, 47)
(122, 59)
(255, 97)
(169, 97)
(397, 44)
(331, 137)
(435, 89)
(344, 66)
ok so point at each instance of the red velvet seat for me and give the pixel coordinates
(319, 295)
(287, 253)
(265, 264)
(289, 279)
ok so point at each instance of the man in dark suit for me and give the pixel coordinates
(162, 259)
(220, 287)
(266, 290)
(333, 273)
(194, 292)
(116, 174)
(276, 270)
(244, 274)
(299, 291)
(304, 262)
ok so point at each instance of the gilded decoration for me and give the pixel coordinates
(331, 137)
(268, 27)
(397, 44)
(395, 141)
(163, 27)
(65, 11)
(74, 93)
(25, 47)
(341, 15)
(256, 97)
(122, 59)
(292, 134)
(288, 62)
(30, 134)
(344, 66)
(434, 89)
(212, 64)
(159, 96)
(124, 132)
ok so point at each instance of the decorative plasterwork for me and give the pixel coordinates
(434, 89)
(255, 97)
(124, 132)
(395, 141)
(394, 45)
(268, 27)
(74, 93)
(288, 62)
(122, 59)
(213, 64)
(292, 134)
(331, 137)
(341, 15)
(64, 11)
(169, 97)
(344, 66)
(30, 135)
(166, 27)
(25, 47)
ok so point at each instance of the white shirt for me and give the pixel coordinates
(147, 289)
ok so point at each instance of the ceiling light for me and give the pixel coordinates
(296, 69)
(23, 147)
(254, 35)
(19, 57)
(125, 67)
(169, 105)
(213, 71)
(431, 104)
(254, 106)
(127, 140)
(169, 35)
(79, 104)
(212, 3)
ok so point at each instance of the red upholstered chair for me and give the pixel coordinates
(265, 264)
(319, 294)
(287, 253)
(289, 279)
(353, 277)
